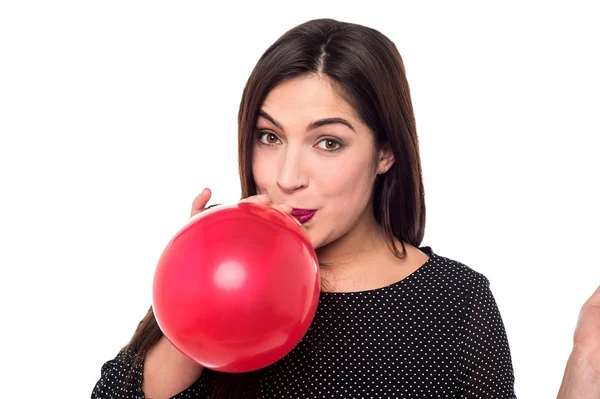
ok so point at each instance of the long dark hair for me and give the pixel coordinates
(367, 70)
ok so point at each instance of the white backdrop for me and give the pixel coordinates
(115, 114)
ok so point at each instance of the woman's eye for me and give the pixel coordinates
(268, 138)
(330, 145)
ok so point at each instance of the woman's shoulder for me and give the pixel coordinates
(452, 272)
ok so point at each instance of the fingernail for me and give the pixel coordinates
(297, 221)
(285, 208)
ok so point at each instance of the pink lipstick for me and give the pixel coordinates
(303, 215)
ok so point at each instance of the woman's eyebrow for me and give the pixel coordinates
(329, 121)
(312, 125)
(270, 118)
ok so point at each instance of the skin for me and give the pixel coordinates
(330, 168)
(581, 378)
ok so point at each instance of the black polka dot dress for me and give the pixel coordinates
(437, 333)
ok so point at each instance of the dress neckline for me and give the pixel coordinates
(391, 286)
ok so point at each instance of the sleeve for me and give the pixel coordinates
(120, 378)
(486, 369)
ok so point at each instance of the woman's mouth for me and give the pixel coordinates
(303, 215)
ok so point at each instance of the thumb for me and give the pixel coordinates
(200, 201)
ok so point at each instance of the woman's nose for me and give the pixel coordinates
(292, 174)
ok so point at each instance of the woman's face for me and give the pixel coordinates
(311, 151)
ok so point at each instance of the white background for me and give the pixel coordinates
(115, 114)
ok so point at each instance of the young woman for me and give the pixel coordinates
(326, 124)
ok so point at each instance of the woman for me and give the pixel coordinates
(326, 125)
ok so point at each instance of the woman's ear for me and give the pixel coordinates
(385, 159)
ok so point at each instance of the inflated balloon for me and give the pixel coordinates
(237, 287)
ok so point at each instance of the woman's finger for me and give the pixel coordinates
(200, 201)
(263, 199)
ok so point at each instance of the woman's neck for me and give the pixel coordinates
(363, 260)
(363, 245)
(364, 239)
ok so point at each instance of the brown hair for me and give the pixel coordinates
(367, 70)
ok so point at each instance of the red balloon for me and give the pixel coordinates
(237, 287)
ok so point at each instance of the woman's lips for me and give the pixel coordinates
(303, 215)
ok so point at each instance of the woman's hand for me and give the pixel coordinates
(199, 204)
(587, 332)
(582, 374)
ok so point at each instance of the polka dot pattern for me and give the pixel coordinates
(437, 333)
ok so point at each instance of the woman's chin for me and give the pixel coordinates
(314, 241)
